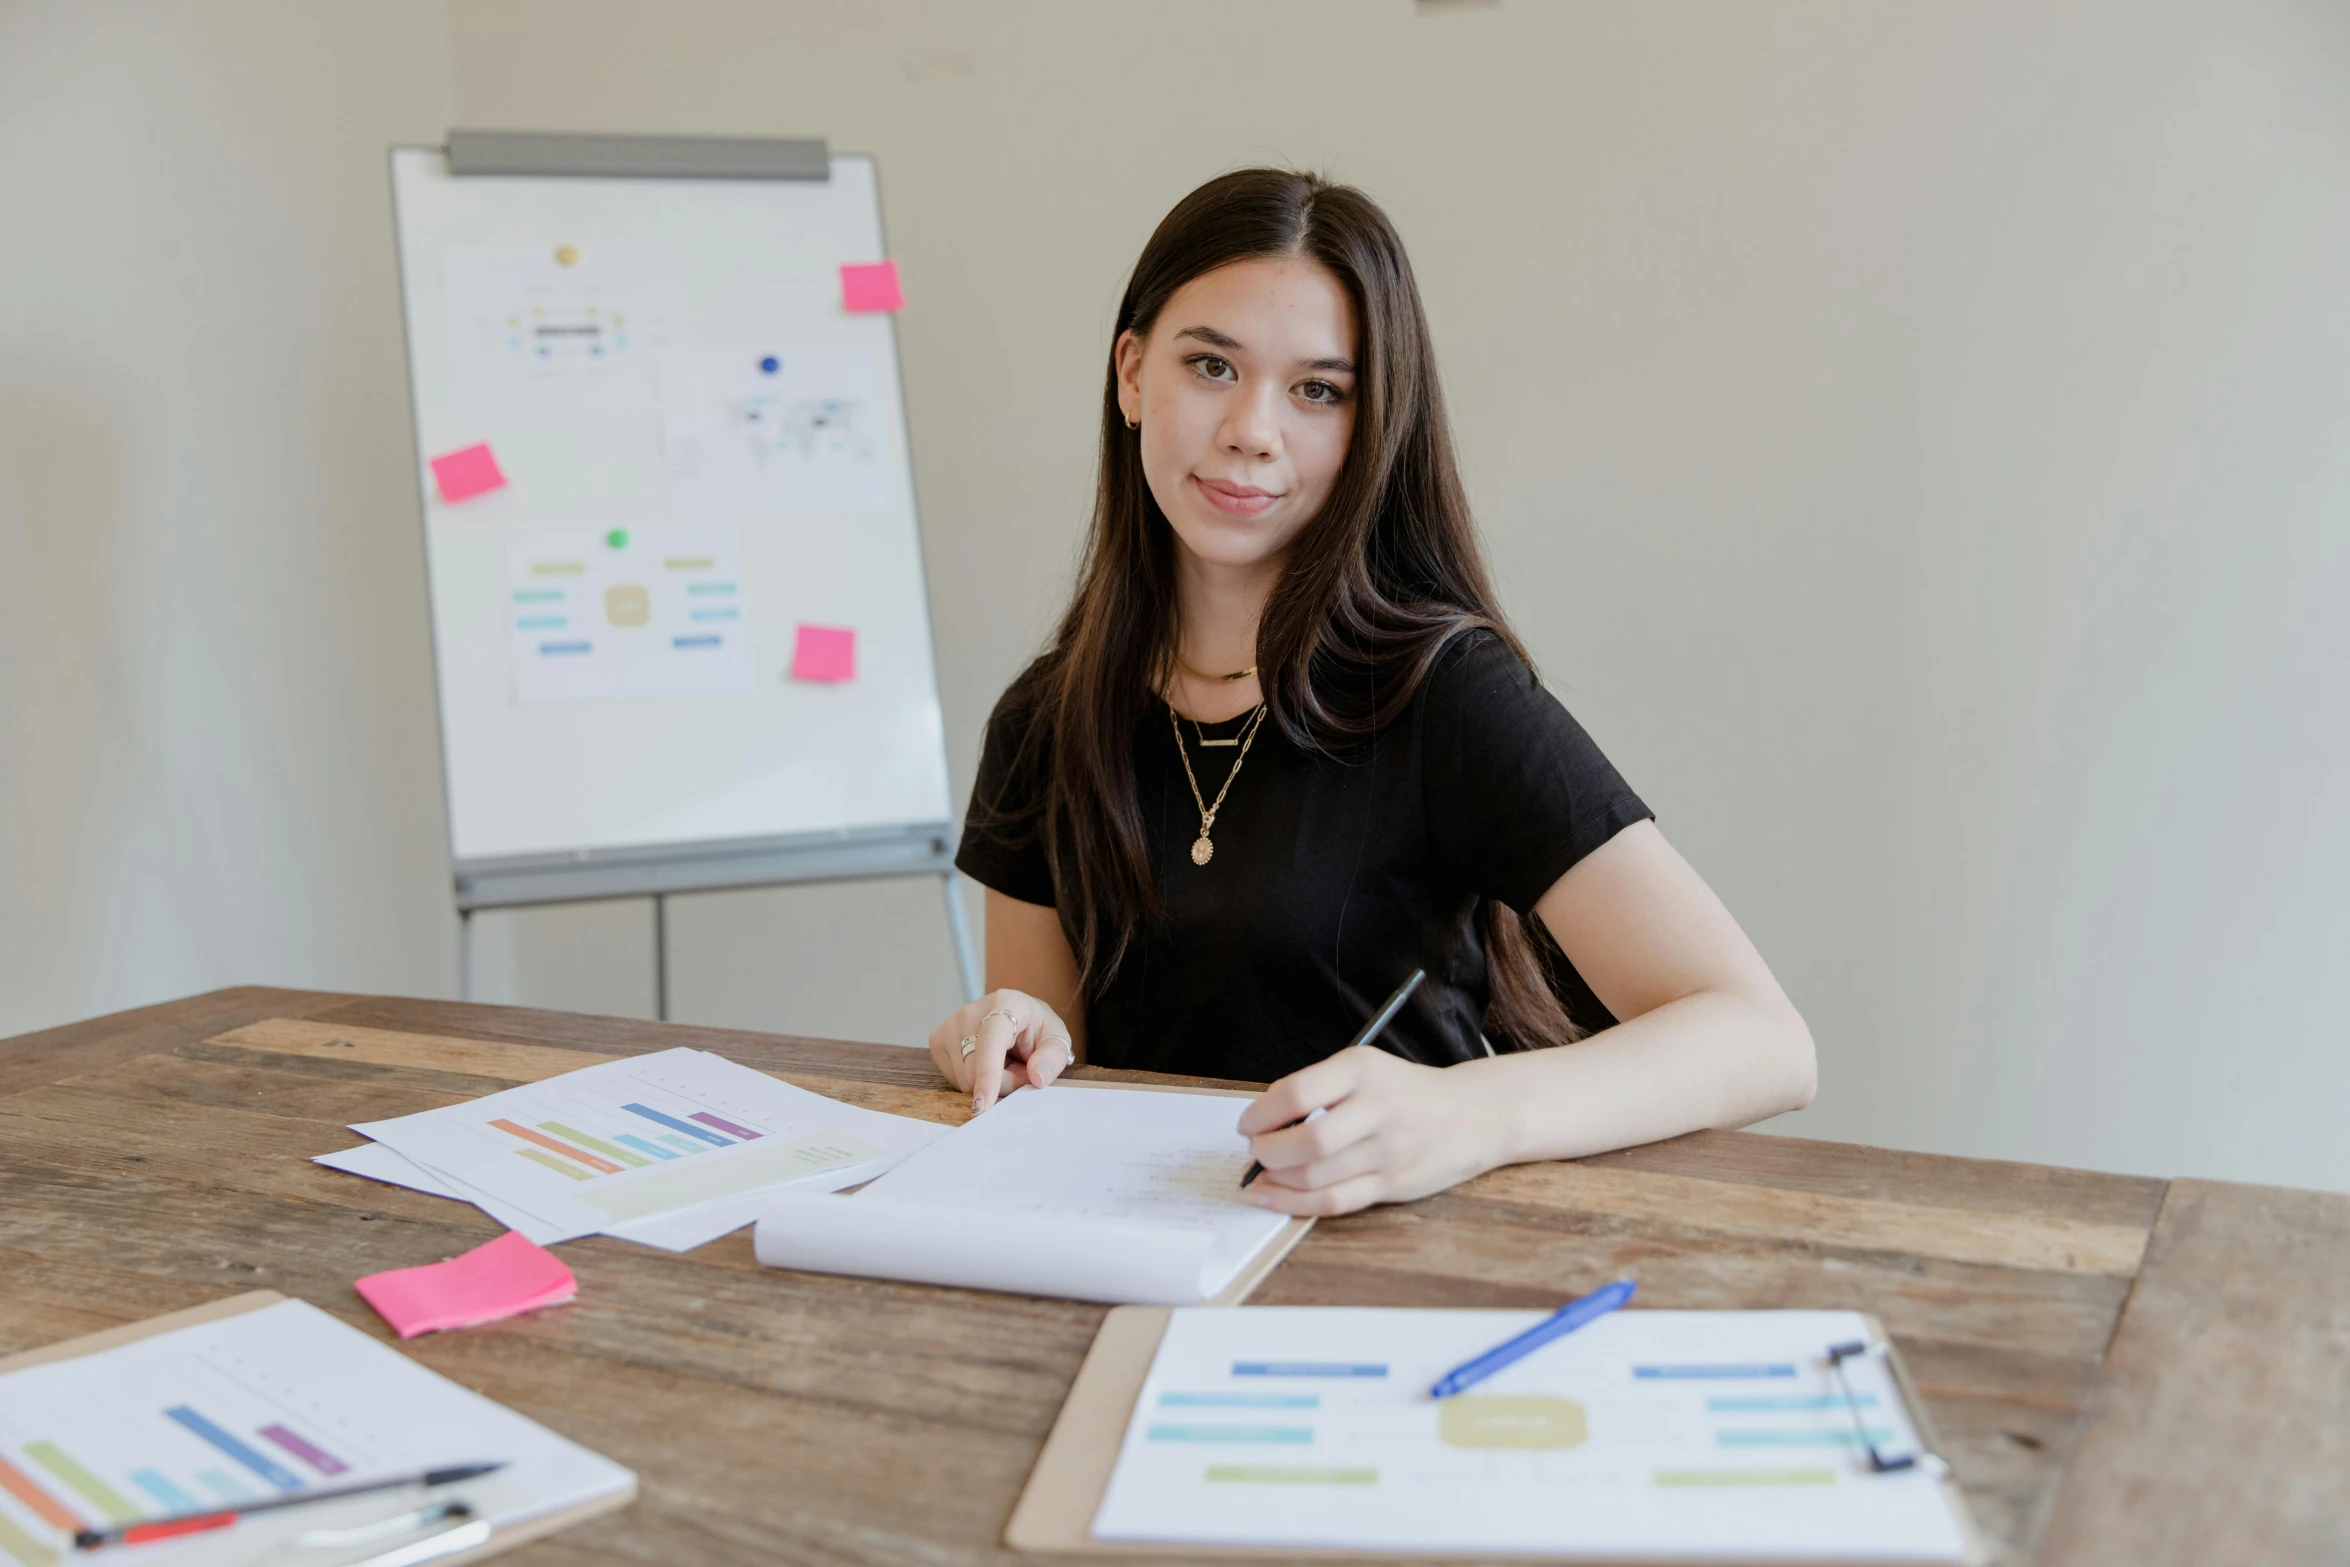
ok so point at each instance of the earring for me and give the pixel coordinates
(1134, 424)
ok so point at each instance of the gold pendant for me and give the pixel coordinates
(1202, 851)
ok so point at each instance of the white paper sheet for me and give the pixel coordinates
(809, 437)
(690, 1227)
(1648, 1434)
(599, 614)
(680, 1231)
(270, 1403)
(1018, 1253)
(1095, 1194)
(560, 329)
(388, 1165)
(657, 1148)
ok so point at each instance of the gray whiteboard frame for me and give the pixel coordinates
(659, 870)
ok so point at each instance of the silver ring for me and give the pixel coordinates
(1002, 1012)
(969, 1044)
(1068, 1051)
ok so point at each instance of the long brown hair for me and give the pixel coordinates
(1370, 591)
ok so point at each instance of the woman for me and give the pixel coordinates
(1284, 749)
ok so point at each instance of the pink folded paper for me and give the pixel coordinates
(824, 653)
(870, 287)
(506, 1278)
(461, 475)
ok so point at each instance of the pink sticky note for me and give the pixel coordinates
(824, 653)
(506, 1278)
(463, 475)
(871, 287)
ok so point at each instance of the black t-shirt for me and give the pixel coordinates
(1334, 876)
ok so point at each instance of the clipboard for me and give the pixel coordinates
(253, 1300)
(1064, 1490)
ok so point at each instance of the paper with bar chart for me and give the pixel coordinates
(1674, 1434)
(271, 1403)
(657, 1148)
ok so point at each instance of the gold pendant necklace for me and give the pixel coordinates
(1203, 849)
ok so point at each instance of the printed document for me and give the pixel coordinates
(671, 1149)
(1681, 1435)
(271, 1403)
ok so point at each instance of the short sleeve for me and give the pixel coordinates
(1003, 845)
(1517, 794)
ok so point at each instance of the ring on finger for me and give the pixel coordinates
(970, 1043)
(1001, 1012)
(1068, 1051)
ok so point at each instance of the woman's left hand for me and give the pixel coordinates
(1394, 1130)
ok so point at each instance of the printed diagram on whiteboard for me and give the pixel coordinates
(793, 434)
(559, 329)
(626, 612)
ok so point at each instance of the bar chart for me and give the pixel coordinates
(658, 1138)
(212, 1431)
(582, 1128)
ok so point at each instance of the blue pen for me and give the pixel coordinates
(1558, 1324)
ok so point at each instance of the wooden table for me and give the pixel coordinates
(2122, 1370)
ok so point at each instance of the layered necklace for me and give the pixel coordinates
(1203, 849)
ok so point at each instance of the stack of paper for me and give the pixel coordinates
(670, 1150)
(1089, 1191)
(270, 1403)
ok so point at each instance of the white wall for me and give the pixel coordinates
(216, 721)
(1911, 437)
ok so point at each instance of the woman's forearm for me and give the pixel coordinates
(1711, 1059)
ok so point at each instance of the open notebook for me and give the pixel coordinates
(1091, 1191)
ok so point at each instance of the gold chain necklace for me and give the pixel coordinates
(1202, 850)
(1201, 674)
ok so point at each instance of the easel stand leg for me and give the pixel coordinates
(959, 926)
(464, 954)
(661, 956)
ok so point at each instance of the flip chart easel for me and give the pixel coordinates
(680, 629)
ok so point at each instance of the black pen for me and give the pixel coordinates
(220, 1518)
(1371, 1031)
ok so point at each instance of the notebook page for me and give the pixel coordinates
(1096, 1194)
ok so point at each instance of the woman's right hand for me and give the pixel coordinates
(1009, 1034)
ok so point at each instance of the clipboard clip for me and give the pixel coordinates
(1880, 1462)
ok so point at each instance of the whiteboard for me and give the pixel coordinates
(694, 612)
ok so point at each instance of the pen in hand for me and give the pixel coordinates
(1371, 1030)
